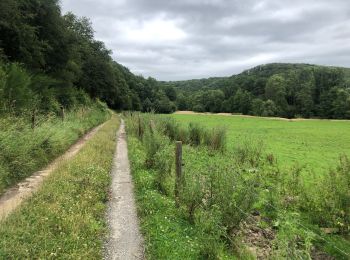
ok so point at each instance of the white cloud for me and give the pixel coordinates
(201, 38)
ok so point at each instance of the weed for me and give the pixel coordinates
(215, 139)
(195, 134)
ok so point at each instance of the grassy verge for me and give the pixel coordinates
(65, 219)
(168, 235)
(25, 150)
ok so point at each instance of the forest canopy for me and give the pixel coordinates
(49, 60)
(286, 90)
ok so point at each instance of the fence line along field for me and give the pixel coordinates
(232, 196)
(314, 145)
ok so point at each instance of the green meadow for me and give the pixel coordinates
(314, 145)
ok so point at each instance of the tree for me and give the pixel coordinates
(164, 105)
(275, 90)
(182, 102)
(171, 93)
(341, 103)
(242, 101)
(257, 107)
(270, 108)
(212, 100)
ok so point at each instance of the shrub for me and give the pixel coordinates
(249, 152)
(209, 222)
(235, 191)
(193, 192)
(292, 241)
(182, 135)
(164, 161)
(215, 139)
(195, 134)
(170, 128)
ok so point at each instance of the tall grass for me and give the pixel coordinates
(25, 150)
(194, 134)
(65, 219)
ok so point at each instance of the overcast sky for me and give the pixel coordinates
(184, 39)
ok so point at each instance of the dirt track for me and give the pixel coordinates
(14, 196)
(125, 241)
(248, 116)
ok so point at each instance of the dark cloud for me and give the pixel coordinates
(184, 39)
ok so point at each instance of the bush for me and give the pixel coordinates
(249, 152)
(193, 192)
(164, 161)
(215, 139)
(170, 128)
(195, 134)
(183, 135)
(209, 223)
(16, 93)
(292, 241)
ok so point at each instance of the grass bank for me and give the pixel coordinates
(25, 150)
(65, 218)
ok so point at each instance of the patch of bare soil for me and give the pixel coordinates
(257, 240)
(14, 196)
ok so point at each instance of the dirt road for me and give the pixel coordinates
(14, 196)
(125, 240)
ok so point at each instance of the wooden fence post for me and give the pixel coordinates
(62, 113)
(33, 118)
(178, 168)
(152, 126)
(140, 130)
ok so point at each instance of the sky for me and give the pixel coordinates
(186, 39)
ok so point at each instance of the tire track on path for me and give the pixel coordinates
(14, 196)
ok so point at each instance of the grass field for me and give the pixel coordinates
(313, 144)
(238, 203)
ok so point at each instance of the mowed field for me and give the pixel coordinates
(314, 145)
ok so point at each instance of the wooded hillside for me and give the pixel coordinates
(50, 60)
(288, 90)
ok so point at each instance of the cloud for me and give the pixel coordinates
(183, 39)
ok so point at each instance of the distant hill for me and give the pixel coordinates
(276, 89)
(263, 71)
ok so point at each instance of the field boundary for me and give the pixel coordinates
(262, 117)
(14, 196)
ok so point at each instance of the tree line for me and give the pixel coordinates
(286, 90)
(49, 60)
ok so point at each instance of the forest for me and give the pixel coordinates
(49, 60)
(284, 90)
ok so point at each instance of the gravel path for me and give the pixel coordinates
(14, 196)
(125, 241)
